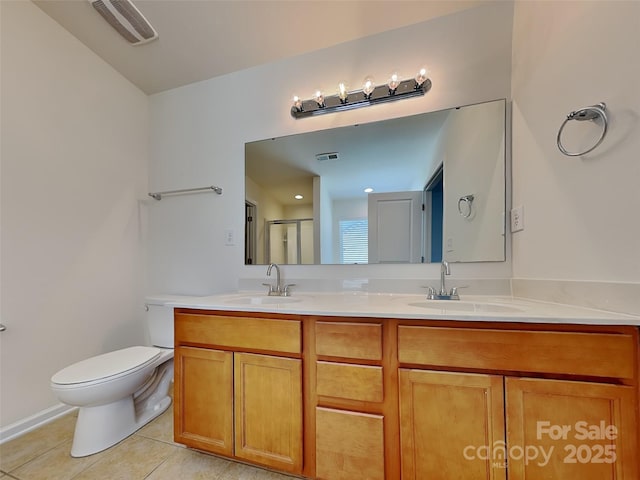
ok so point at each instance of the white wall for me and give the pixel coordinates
(323, 221)
(199, 131)
(581, 214)
(74, 163)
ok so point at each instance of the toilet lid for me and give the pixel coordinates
(106, 365)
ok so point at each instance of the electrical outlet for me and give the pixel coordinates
(517, 219)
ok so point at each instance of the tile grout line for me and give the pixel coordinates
(161, 463)
(38, 455)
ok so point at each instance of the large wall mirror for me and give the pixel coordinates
(418, 189)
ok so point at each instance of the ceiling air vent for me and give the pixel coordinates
(323, 157)
(126, 19)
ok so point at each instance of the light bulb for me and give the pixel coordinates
(319, 98)
(421, 77)
(368, 87)
(368, 190)
(342, 92)
(297, 103)
(298, 197)
(394, 82)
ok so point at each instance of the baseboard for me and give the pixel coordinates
(34, 421)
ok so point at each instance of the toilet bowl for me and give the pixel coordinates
(121, 391)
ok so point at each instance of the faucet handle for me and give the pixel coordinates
(271, 289)
(431, 293)
(454, 291)
(285, 289)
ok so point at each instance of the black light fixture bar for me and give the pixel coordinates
(357, 99)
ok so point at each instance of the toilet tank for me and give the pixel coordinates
(160, 324)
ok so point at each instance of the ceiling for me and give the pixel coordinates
(388, 156)
(202, 39)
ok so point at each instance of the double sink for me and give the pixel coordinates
(440, 306)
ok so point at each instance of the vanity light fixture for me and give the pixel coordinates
(421, 77)
(368, 87)
(393, 83)
(343, 95)
(370, 94)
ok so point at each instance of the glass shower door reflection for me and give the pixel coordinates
(290, 241)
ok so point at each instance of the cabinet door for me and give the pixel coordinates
(395, 221)
(450, 423)
(203, 409)
(349, 445)
(563, 429)
(268, 411)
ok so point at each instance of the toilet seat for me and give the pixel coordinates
(106, 367)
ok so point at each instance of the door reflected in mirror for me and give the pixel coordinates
(417, 189)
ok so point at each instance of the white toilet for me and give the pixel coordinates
(119, 392)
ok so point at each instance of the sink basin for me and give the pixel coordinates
(262, 300)
(461, 306)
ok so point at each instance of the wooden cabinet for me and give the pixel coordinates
(268, 410)
(355, 341)
(579, 430)
(203, 394)
(339, 398)
(349, 445)
(352, 411)
(444, 418)
(552, 352)
(456, 425)
(233, 401)
(349, 382)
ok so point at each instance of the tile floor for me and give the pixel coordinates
(150, 454)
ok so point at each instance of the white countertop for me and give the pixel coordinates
(390, 305)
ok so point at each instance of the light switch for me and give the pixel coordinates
(229, 237)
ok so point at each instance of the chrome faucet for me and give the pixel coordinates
(443, 294)
(444, 270)
(271, 265)
(278, 289)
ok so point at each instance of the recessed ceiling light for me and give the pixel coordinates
(298, 197)
(368, 190)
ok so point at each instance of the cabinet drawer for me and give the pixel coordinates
(349, 445)
(239, 332)
(588, 354)
(351, 382)
(349, 340)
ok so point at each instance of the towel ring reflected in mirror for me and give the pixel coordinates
(587, 113)
(465, 205)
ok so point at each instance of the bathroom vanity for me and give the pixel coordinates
(389, 387)
(239, 388)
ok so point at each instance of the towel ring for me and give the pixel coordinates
(468, 201)
(586, 113)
